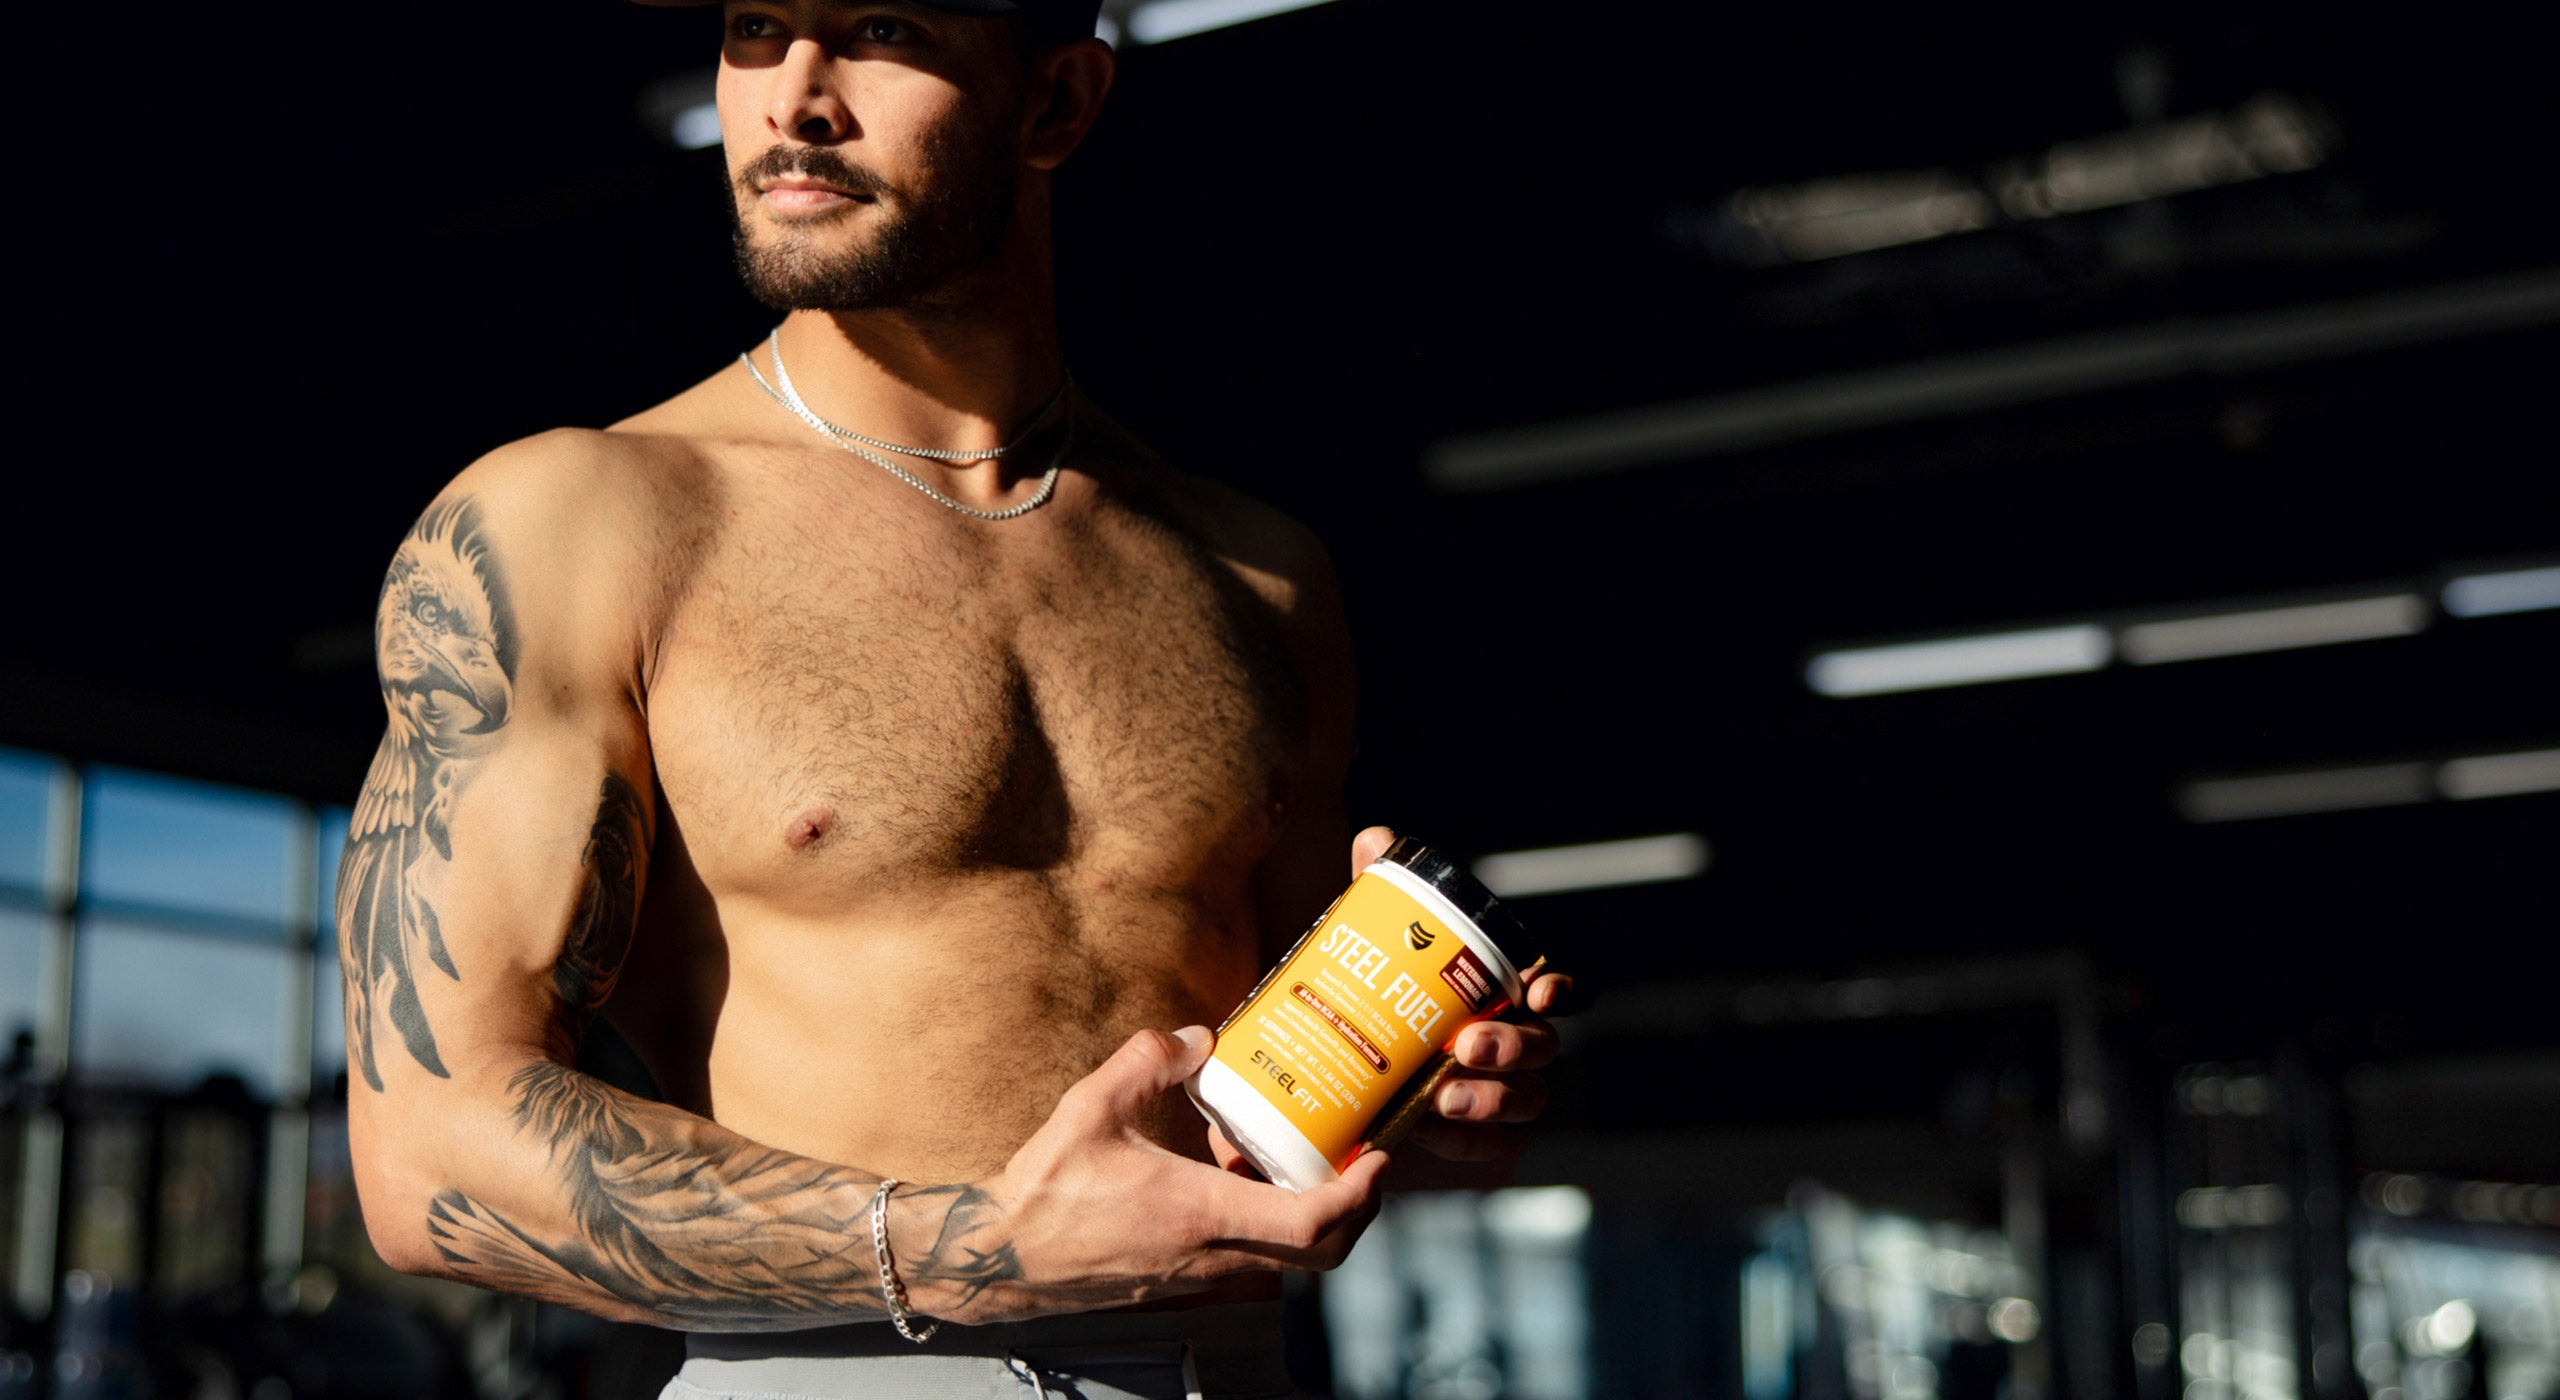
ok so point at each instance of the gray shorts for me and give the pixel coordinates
(1219, 1353)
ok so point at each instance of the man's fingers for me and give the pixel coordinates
(1491, 1098)
(1363, 1174)
(1370, 844)
(1528, 1043)
(1554, 994)
(1270, 1223)
(1362, 1179)
(1145, 1066)
(1229, 1158)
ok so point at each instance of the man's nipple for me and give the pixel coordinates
(809, 828)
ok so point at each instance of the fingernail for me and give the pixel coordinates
(1481, 1052)
(1197, 1037)
(1457, 1099)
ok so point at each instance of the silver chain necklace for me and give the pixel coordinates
(788, 395)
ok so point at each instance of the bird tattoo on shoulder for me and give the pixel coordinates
(446, 644)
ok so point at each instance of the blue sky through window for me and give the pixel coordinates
(186, 846)
(22, 958)
(26, 783)
(171, 1008)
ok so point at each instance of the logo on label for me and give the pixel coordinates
(1417, 937)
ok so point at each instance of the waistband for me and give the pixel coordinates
(1235, 1349)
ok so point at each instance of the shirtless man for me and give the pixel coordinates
(892, 816)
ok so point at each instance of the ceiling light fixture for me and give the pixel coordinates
(2500, 774)
(2345, 789)
(2295, 794)
(2271, 134)
(1160, 21)
(2273, 629)
(1990, 656)
(1750, 420)
(1644, 860)
(2507, 591)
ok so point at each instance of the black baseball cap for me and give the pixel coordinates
(1053, 21)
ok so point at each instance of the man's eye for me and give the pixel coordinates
(883, 30)
(756, 27)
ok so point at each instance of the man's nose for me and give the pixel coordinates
(806, 105)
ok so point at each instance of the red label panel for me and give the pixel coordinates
(1475, 984)
(1334, 1019)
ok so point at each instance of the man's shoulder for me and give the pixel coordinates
(1288, 568)
(596, 530)
(1276, 553)
(583, 489)
(660, 459)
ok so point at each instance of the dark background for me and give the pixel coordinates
(356, 252)
(307, 265)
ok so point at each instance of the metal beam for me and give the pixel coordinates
(1725, 424)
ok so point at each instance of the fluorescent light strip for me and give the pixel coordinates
(2510, 591)
(1993, 656)
(2500, 774)
(2293, 794)
(2273, 629)
(1157, 21)
(1645, 860)
(1751, 420)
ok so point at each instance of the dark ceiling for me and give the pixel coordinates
(334, 256)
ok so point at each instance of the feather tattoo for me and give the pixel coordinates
(447, 647)
(681, 1223)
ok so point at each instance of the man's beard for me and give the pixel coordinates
(916, 248)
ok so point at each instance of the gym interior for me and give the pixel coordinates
(1991, 585)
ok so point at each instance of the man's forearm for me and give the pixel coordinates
(651, 1214)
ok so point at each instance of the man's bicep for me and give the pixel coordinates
(493, 863)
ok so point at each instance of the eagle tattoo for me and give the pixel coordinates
(446, 642)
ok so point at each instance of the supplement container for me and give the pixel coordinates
(1340, 1045)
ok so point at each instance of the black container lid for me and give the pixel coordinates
(1454, 884)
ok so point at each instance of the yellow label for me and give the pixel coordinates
(1377, 987)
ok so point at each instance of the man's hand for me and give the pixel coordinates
(1094, 1214)
(1495, 1082)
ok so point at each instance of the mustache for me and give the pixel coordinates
(812, 163)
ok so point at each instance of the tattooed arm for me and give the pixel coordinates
(489, 894)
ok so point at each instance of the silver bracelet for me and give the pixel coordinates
(893, 1292)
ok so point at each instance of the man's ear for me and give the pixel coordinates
(1067, 86)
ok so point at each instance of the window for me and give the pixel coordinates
(167, 846)
(189, 916)
(23, 969)
(172, 1008)
(1461, 1293)
(26, 795)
